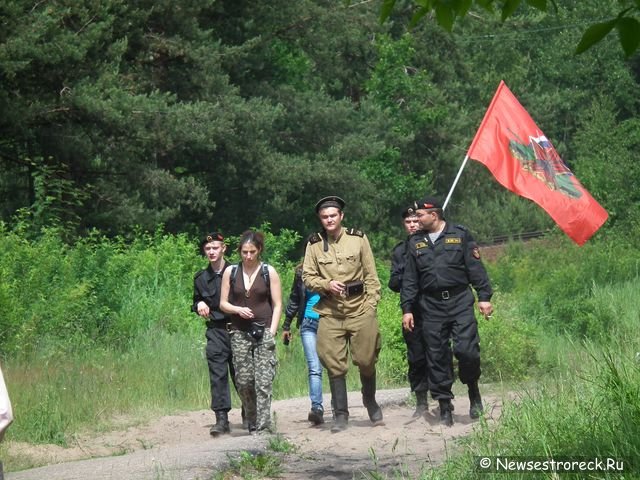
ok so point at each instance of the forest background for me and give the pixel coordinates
(130, 128)
(123, 116)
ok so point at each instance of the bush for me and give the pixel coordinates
(554, 280)
(508, 345)
(66, 297)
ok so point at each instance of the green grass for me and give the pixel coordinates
(114, 338)
(58, 395)
(587, 406)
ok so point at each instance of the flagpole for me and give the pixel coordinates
(455, 182)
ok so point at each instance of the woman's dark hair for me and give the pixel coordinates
(255, 238)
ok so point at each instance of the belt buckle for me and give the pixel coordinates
(445, 295)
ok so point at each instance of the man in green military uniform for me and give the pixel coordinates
(339, 265)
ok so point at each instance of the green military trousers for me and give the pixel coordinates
(339, 336)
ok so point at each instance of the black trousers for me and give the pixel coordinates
(418, 373)
(220, 363)
(448, 324)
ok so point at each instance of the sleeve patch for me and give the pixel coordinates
(476, 253)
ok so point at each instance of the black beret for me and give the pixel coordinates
(409, 211)
(211, 237)
(428, 203)
(331, 201)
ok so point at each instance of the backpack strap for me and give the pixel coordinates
(265, 276)
(234, 273)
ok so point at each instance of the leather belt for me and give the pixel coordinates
(447, 293)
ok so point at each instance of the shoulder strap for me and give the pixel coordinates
(265, 276)
(315, 238)
(355, 232)
(267, 280)
(234, 272)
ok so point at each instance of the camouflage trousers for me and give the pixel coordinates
(255, 365)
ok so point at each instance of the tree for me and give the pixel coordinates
(447, 12)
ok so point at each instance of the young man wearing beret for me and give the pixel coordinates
(206, 303)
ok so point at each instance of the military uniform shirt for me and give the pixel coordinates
(206, 288)
(453, 261)
(348, 258)
(397, 265)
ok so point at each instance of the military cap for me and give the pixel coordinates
(331, 201)
(211, 237)
(428, 203)
(409, 211)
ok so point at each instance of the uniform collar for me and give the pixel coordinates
(211, 274)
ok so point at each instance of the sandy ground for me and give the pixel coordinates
(180, 447)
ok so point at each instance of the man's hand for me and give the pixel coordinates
(336, 287)
(286, 337)
(407, 322)
(486, 309)
(203, 309)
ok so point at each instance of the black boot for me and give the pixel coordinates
(421, 403)
(222, 424)
(369, 398)
(446, 418)
(475, 401)
(340, 404)
(316, 416)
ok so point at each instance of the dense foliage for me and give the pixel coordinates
(129, 127)
(85, 321)
(124, 116)
(446, 12)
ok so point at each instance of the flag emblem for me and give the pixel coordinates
(540, 159)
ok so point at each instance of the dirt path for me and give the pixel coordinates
(179, 446)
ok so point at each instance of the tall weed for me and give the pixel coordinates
(587, 406)
(554, 280)
(58, 395)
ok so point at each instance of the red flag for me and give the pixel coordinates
(522, 159)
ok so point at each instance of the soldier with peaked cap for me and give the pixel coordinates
(443, 261)
(339, 265)
(418, 373)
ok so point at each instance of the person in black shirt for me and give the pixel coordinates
(416, 347)
(442, 261)
(206, 303)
